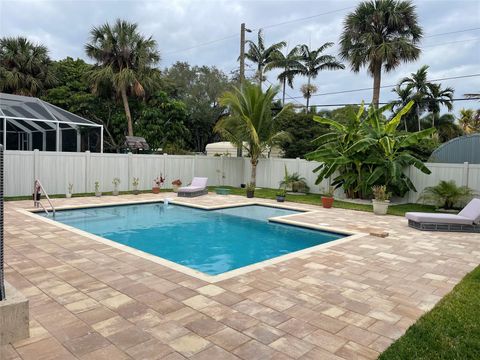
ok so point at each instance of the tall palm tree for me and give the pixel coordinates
(446, 125)
(125, 60)
(261, 55)
(290, 65)
(307, 91)
(427, 95)
(24, 67)
(380, 35)
(314, 61)
(251, 120)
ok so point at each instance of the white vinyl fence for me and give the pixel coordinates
(57, 169)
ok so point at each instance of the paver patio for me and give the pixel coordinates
(89, 300)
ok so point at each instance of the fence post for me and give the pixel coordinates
(35, 164)
(129, 168)
(165, 156)
(87, 170)
(194, 163)
(466, 170)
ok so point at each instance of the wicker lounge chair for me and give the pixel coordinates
(198, 187)
(467, 220)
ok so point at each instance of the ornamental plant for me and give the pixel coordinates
(365, 149)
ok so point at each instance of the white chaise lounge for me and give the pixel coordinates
(198, 187)
(467, 220)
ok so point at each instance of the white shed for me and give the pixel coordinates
(228, 149)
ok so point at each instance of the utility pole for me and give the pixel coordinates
(243, 29)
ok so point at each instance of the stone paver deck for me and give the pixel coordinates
(89, 300)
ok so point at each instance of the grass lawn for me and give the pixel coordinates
(315, 199)
(451, 330)
(312, 199)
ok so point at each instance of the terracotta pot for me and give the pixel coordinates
(156, 190)
(327, 202)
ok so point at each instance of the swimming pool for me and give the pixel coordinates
(212, 242)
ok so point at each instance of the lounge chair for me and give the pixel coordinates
(198, 187)
(467, 220)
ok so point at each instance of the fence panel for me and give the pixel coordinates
(104, 168)
(146, 168)
(18, 173)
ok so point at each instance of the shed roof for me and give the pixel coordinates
(458, 150)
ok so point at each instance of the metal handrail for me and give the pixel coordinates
(36, 186)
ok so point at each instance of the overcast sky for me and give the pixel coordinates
(180, 27)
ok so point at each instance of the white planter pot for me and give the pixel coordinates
(115, 192)
(380, 207)
(68, 196)
(98, 193)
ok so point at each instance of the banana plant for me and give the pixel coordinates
(368, 150)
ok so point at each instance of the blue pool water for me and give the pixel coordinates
(212, 242)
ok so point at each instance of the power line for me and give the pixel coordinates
(387, 86)
(452, 32)
(288, 96)
(390, 102)
(451, 42)
(202, 44)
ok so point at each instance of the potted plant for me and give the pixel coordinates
(327, 198)
(157, 184)
(98, 193)
(115, 182)
(250, 190)
(135, 183)
(69, 193)
(380, 201)
(281, 194)
(294, 182)
(176, 184)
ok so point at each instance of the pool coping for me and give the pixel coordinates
(350, 235)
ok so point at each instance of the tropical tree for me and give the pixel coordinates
(446, 125)
(380, 35)
(261, 55)
(290, 65)
(367, 150)
(125, 61)
(25, 68)
(307, 91)
(314, 61)
(251, 121)
(470, 121)
(427, 96)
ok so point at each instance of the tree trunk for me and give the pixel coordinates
(283, 95)
(253, 177)
(308, 94)
(123, 92)
(418, 119)
(377, 78)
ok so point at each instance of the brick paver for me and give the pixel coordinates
(92, 301)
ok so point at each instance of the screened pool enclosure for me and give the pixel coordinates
(28, 123)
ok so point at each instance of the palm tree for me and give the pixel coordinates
(446, 125)
(314, 61)
(427, 95)
(251, 120)
(470, 121)
(24, 67)
(307, 91)
(125, 60)
(380, 35)
(260, 55)
(289, 63)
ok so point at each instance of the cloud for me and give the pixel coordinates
(180, 24)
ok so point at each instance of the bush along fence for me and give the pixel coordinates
(82, 170)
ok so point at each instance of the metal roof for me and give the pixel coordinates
(17, 107)
(458, 150)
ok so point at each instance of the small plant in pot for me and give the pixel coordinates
(98, 193)
(327, 198)
(115, 182)
(69, 193)
(176, 185)
(250, 190)
(380, 201)
(135, 183)
(157, 184)
(281, 195)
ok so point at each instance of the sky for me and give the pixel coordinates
(206, 32)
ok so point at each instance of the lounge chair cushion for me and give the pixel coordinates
(200, 182)
(472, 211)
(438, 218)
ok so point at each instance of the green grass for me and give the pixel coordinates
(315, 199)
(451, 330)
(312, 199)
